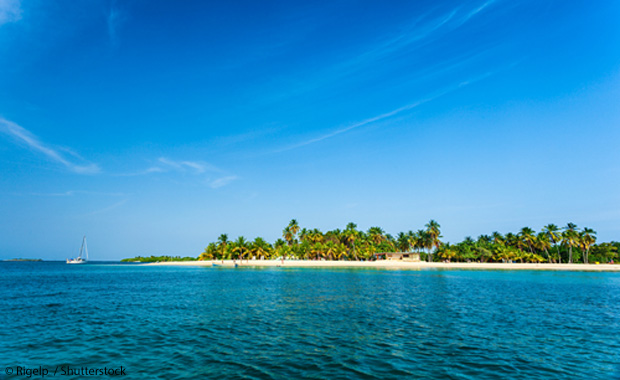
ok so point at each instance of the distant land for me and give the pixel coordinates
(22, 260)
(157, 259)
(553, 244)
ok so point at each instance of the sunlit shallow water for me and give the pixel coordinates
(279, 323)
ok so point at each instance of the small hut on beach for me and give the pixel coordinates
(403, 256)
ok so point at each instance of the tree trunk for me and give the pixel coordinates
(570, 254)
(583, 256)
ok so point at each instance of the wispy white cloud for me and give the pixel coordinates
(10, 11)
(424, 30)
(151, 170)
(170, 163)
(192, 168)
(72, 193)
(385, 115)
(23, 136)
(195, 166)
(108, 208)
(477, 10)
(223, 181)
(115, 18)
(200, 168)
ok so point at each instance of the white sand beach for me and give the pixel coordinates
(394, 264)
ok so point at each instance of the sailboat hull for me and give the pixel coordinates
(79, 259)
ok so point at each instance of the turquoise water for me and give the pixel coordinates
(278, 323)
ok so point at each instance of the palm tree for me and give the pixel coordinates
(511, 240)
(533, 258)
(376, 234)
(222, 243)
(506, 253)
(570, 238)
(222, 239)
(497, 238)
(555, 237)
(465, 249)
(447, 252)
(403, 242)
(483, 252)
(414, 243)
(351, 236)
(333, 236)
(209, 252)
(527, 236)
(485, 239)
(340, 251)
(290, 232)
(303, 234)
(330, 249)
(240, 246)
(303, 250)
(364, 247)
(317, 250)
(260, 248)
(606, 251)
(520, 255)
(351, 226)
(587, 239)
(279, 243)
(315, 236)
(432, 230)
(542, 243)
(293, 226)
(426, 242)
(288, 235)
(283, 251)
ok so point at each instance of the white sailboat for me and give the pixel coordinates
(80, 259)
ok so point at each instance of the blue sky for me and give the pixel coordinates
(152, 127)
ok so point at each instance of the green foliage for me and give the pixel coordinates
(155, 259)
(605, 252)
(551, 244)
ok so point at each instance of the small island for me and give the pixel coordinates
(551, 245)
(157, 259)
(20, 260)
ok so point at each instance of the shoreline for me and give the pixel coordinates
(393, 264)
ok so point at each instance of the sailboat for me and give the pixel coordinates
(80, 259)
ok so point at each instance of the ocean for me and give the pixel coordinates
(161, 322)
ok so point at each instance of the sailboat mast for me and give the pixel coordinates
(86, 247)
(82, 247)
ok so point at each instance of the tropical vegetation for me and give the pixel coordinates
(551, 244)
(156, 259)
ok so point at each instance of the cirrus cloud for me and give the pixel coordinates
(10, 11)
(223, 181)
(27, 138)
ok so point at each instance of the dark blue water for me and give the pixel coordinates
(277, 323)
